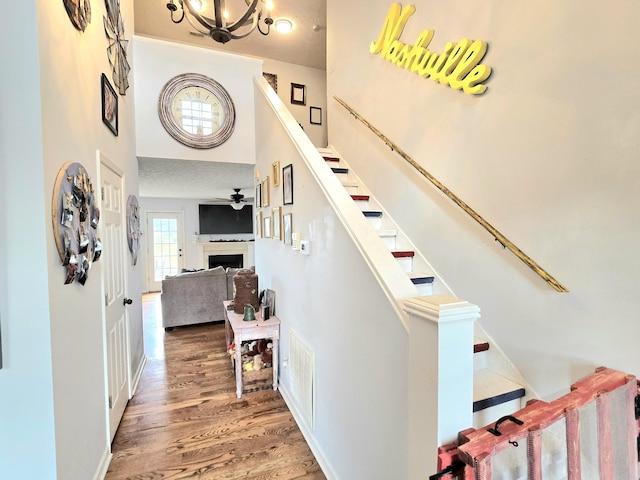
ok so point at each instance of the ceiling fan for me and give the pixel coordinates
(236, 200)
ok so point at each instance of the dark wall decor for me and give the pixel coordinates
(133, 226)
(117, 50)
(75, 218)
(272, 78)
(79, 12)
(298, 94)
(315, 115)
(287, 185)
(109, 105)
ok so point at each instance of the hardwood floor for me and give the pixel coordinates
(185, 422)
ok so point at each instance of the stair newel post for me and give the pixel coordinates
(440, 376)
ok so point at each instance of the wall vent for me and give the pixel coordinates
(302, 368)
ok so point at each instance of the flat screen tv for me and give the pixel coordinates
(222, 219)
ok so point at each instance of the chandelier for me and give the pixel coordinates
(218, 26)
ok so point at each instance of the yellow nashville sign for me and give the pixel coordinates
(456, 66)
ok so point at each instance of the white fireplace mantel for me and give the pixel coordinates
(228, 248)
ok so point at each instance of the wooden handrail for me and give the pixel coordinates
(499, 237)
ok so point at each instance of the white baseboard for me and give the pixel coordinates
(101, 471)
(308, 435)
(136, 377)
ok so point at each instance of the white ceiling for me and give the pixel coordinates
(305, 45)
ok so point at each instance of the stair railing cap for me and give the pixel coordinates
(441, 308)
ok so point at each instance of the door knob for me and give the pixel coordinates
(127, 301)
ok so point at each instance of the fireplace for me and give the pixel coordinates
(231, 261)
(224, 250)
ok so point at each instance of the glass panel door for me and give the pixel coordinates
(165, 247)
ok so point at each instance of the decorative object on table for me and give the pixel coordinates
(286, 227)
(315, 115)
(117, 49)
(287, 185)
(212, 19)
(266, 227)
(277, 230)
(133, 226)
(196, 111)
(272, 79)
(109, 105)
(79, 12)
(270, 300)
(75, 218)
(265, 192)
(275, 173)
(249, 313)
(245, 284)
(298, 94)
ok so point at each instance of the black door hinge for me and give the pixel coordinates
(454, 467)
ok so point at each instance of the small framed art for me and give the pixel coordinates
(277, 230)
(275, 173)
(266, 227)
(109, 106)
(272, 79)
(287, 185)
(265, 192)
(258, 198)
(286, 227)
(315, 115)
(298, 94)
(259, 225)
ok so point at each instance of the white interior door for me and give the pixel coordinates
(113, 258)
(165, 246)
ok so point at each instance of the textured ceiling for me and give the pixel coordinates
(305, 45)
(167, 178)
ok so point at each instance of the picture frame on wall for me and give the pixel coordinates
(315, 115)
(109, 105)
(259, 225)
(275, 173)
(272, 79)
(287, 222)
(266, 227)
(265, 192)
(298, 94)
(258, 199)
(277, 230)
(287, 185)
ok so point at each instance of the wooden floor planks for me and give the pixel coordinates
(185, 422)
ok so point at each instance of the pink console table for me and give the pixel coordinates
(238, 331)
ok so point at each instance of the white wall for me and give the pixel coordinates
(193, 252)
(549, 156)
(331, 300)
(158, 62)
(54, 332)
(26, 378)
(315, 81)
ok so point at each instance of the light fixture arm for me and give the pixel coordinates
(217, 28)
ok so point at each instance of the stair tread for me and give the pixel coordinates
(419, 278)
(350, 183)
(330, 159)
(491, 388)
(387, 232)
(372, 213)
(403, 253)
(339, 170)
(360, 197)
(480, 345)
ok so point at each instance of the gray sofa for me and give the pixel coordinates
(196, 297)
